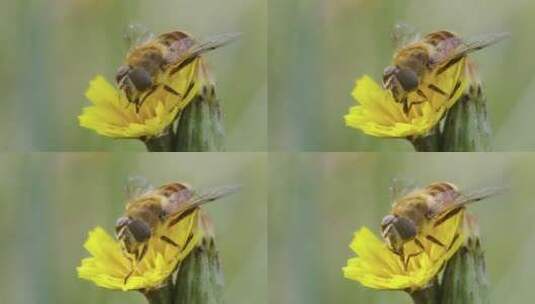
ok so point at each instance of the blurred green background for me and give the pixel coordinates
(49, 202)
(317, 202)
(317, 49)
(50, 50)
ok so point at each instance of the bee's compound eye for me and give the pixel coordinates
(121, 72)
(140, 230)
(408, 79)
(405, 228)
(140, 78)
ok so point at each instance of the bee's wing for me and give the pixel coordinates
(212, 43)
(450, 50)
(401, 187)
(404, 34)
(182, 201)
(479, 195)
(179, 55)
(213, 194)
(479, 42)
(136, 34)
(137, 186)
(451, 200)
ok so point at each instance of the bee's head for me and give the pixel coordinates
(133, 81)
(131, 233)
(400, 80)
(396, 231)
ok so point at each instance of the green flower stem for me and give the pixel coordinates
(200, 126)
(161, 295)
(464, 280)
(429, 143)
(465, 277)
(466, 127)
(428, 295)
(200, 277)
(162, 143)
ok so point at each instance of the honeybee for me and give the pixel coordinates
(414, 213)
(168, 53)
(147, 208)
(415, 59)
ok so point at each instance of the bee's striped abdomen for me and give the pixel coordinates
(437, 37)
(441, 187)
(171, 37)
(172, 188)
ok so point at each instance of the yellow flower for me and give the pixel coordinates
(109, 265)
(378, 267)
(378, 114)
(112, 115)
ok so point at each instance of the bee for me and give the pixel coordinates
(151, 58)
(148, 208)
(417, 59)
(415, 213)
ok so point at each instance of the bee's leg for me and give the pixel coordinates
(169, 241)
(182, 65)
(453, 240)
(186, 244)
(419, 244)
(401, 256)
(142, 253)
(406, 106)
(409, 107)
(133, 261)
(437, 89)
(435, 240)
(449, 64)
(138, 105)
(170, 90)
(152, 90)
(180, 217)
(128, 276)
(412, 255)
(447, 216)
(455, 88)
(135, 253)
(421, 94)
(189, 89)
(172, 243)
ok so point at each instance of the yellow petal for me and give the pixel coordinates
(378, 267)
(112, 115)
(378, 114)
(108, 265)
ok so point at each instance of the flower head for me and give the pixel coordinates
(109, 265)
(378, 267)
(378, 113)
(111, 114)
